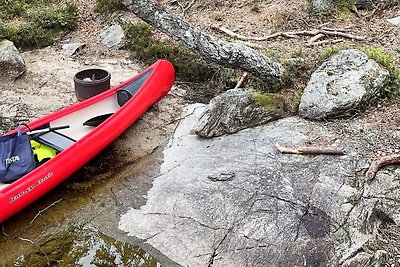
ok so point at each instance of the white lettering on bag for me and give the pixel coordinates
(12, 159)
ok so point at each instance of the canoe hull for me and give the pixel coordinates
(32, 186)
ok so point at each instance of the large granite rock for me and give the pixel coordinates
(238, 109)
(235, 201)
(11, 62)
(349, 79)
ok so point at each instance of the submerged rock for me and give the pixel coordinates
(349, 79)
(238, 109)
(11, 62)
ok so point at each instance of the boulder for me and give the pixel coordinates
(11, 62)
(348, 80)
(112, 36)
(238, 109)
(361, 259)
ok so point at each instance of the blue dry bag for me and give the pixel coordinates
(16, 156)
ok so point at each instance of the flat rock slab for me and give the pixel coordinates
(235, 200)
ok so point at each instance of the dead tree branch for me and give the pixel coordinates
(334, 41)
(377, 164)
(293, 34)
(242, 80)
(223, 53)
(310, 150)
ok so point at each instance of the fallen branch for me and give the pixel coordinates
(242, 80)
(315, 38)
(377, 164)
(252, 45)
(292, 34)
(310, 150)
(335, 29)
(335, 41)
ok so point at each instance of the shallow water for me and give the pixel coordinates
(85, 247)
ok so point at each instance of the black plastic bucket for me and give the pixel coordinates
(91, 82)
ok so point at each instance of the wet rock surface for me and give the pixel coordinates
(348, 80)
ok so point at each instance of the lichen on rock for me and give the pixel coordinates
(340, 85)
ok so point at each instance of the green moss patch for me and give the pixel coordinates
(269, 101)
(35, 23)
(108, 6)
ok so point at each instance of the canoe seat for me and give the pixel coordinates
(55, 140)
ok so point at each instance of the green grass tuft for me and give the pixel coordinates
(386, 59)
(108, 6)
(34, 23)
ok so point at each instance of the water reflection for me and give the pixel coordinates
(85, 247)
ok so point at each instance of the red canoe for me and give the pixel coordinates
(82, 141)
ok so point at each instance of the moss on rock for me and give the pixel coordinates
(269, 101)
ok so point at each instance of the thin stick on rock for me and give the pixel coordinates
(310, 150)
(43, 210)
(377, 164)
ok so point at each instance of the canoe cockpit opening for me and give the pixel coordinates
(125, 93)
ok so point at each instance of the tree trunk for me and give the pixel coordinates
(226, 54)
